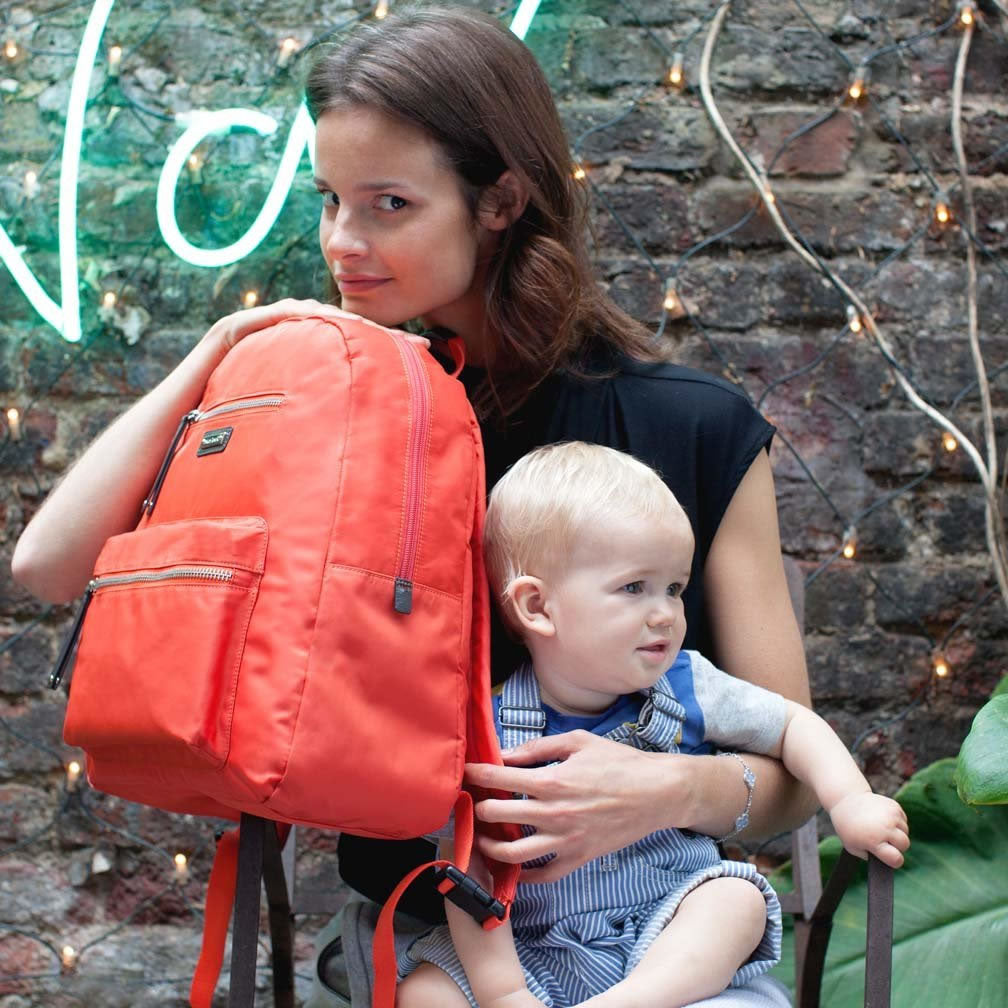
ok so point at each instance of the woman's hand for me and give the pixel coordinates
(225, 333)
(598, 798)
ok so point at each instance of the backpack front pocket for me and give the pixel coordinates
(161, 641)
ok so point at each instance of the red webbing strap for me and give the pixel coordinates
(383, 951)
(219, 901)
(482, 745)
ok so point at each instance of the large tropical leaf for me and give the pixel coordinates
(982, 768)
(950, 929)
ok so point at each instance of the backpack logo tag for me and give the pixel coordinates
(214, 441)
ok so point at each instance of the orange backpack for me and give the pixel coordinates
(298, 627)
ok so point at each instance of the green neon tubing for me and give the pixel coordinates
(203, 124)
(65, 317)
(523, 17)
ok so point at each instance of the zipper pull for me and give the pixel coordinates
(403, 598)
(191, 417)
(56, 676)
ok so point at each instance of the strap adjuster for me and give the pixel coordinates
(522, 717)
(467, 894)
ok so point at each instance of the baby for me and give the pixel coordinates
(589, 552)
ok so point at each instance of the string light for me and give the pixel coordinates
(181, 865)
(967, 15)
(31, 183)
(850, 543)
(68, 956)
(675, 75)
(949, 442)
(854, 320)
(288, 47)
(940, 665)
(578, 171)
(108, 299)
(381, 9)
(73, 772)
(11, 49)
(769, 196)
(672, 303)
(250, 299)
(194, 164)
(942, 213)
(858, 86)
(14, 423)
(114, 59)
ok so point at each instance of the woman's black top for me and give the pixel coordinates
(699, 432)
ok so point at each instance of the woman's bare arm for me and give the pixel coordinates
(757, 636)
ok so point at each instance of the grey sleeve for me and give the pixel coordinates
(737, 714)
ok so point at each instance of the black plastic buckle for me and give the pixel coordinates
(467, 894)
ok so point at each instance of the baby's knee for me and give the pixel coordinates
(429, 987)
(749, 909)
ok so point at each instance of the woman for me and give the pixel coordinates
(448, 199)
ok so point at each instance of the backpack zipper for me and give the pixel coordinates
(419, 441)
(193, 416)
(220, 575)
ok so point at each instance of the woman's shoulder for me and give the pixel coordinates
(675, 378)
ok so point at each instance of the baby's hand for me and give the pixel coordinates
(872, 824)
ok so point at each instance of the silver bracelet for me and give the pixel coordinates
(749, 778)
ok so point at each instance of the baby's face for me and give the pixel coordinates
(616, 607)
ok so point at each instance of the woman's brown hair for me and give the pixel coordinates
(477, 90)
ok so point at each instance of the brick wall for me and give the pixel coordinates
(850, 444)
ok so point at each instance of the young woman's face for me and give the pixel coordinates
(395, 229)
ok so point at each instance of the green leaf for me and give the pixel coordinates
(982, 768)
(950, 926)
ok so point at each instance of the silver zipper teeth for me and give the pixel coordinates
(243, 405)
(221, 574)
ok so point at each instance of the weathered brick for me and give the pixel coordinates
(824, 151)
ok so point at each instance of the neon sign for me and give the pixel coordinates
(64, 315)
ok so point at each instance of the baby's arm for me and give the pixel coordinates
(489, 958)
(866, 823)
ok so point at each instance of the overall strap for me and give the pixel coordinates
(660, 722)
(521, 715)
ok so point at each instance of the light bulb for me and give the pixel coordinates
(966, 15)
(942, 213)
(114, 59)
(11, 49)
(68, 956)
(940, 665)
(854, 320)
(195, 167)
(31, 183)
(850, 543)
(675, 75)
(858, 86)
(381, 9)
(672, 303)
(108, 299)
(949, 442)
(181, 864)
(251, 299)
(73, 772)
(288, 47)
(14, 423)
(579, 171)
